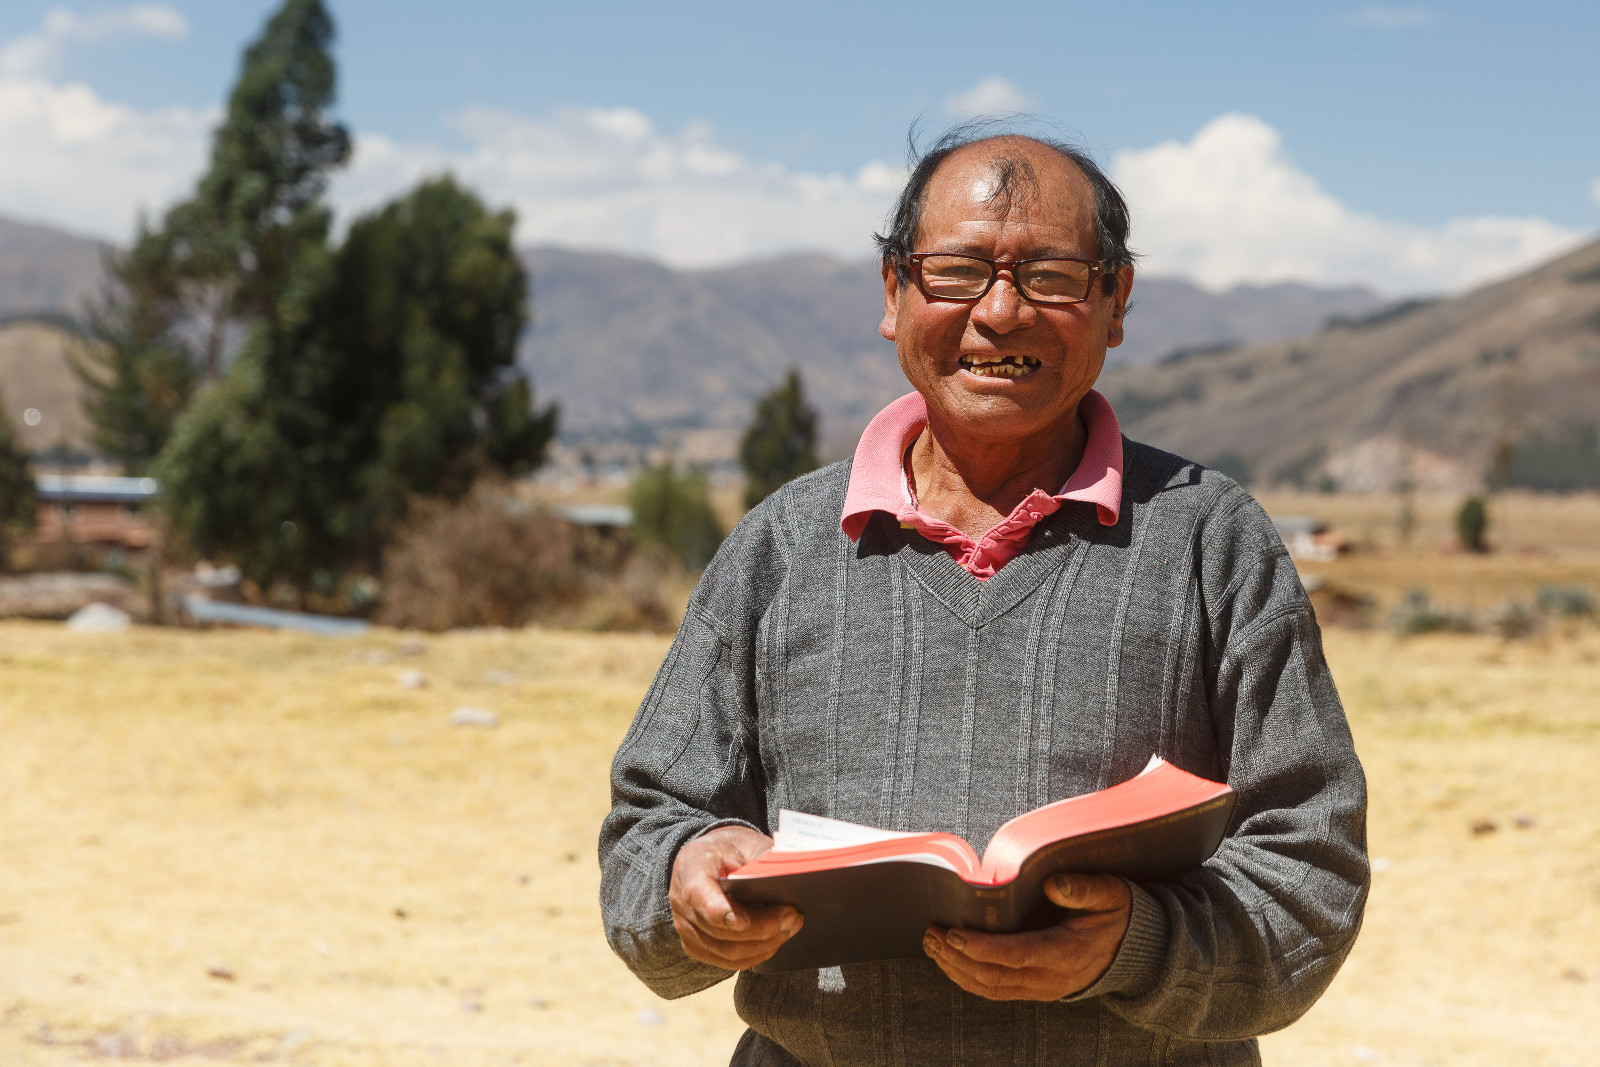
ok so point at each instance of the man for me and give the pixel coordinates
(997, 603)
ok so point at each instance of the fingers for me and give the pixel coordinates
(952, 951)
(765, 932)
(1088, 892)
(713, 928)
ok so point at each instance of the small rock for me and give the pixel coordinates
(471, 1006)
(411, 647)
(401, 913)
(376, 657)
(1483, 826)
(294, 1039)
(1572, 974)
(650, 1017)
(98, 618)
(413, 679)
(522, 879)
(1379, 865)
(539, 1003)
(1365, 1054)
(499, 678)
(480, 717)
(1524, 821)
(221, 974)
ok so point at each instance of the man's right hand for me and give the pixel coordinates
(713, 928)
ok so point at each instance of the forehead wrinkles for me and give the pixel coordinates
(1007, 182)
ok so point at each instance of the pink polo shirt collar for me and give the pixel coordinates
(878, 482)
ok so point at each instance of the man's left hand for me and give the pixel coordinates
(1047, 964)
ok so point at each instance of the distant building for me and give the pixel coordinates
(94, 510)
(1308, 538)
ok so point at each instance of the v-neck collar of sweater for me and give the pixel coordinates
(979, 602)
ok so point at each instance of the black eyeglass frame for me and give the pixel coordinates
(1097, 270)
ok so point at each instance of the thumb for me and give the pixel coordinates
(1088, 892)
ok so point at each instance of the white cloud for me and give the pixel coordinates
(75, 158)
(1383, 17)
(609, 179)
(1594, 191)
(1230, 206)
(39, 54)
(1227, 206)
(993, 95)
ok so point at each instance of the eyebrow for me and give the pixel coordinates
(1048, 252)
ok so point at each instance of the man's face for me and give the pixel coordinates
(1053, 353)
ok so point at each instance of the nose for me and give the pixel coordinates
(1002, 308)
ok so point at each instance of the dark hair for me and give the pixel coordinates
(1110, 209)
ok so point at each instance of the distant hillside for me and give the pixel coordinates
(35, 374)
(1436, 386)
(639, 354)
(44, 269)
(636, 350)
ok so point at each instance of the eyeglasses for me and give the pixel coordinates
(949, 276)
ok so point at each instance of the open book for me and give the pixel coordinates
(869, 894)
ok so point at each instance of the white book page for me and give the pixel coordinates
(799, 832)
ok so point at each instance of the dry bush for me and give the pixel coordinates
(492, 560)
(484, 561)
(641, 595)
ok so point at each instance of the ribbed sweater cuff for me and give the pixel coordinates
(1138, 962)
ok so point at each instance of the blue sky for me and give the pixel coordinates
(1412, 147)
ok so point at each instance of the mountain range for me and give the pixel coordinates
(1441, 393)
(1284, 383)
(641, 353)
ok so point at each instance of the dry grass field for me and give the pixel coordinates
(244, 847)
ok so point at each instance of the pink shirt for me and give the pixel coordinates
(878, 482)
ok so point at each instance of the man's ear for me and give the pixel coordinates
(891, 301)
(1119, 306)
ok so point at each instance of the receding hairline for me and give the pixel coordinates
(1011, 158)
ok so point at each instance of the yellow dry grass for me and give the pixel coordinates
(270, 806)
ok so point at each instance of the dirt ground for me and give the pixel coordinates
(245, 847)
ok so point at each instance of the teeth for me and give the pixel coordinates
(1005, 367)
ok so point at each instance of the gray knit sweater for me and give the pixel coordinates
(879, 682)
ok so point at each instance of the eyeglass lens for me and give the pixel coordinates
(1046, 280)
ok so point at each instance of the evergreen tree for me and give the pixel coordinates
(259, 205)
(221, 260)
(16, 484)
(137, 371)
(781, 441)
(387, 371)
(673, 509)
(1472, 524)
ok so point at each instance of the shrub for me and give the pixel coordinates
(481, 562)
(1514, 619)
(1567, 602)
(673, 509)
(1416, 614)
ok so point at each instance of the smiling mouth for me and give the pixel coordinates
(999, 366)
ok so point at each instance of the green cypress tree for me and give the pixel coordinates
(781, 441)
(16, 484)
(137, 371)
(219, 262)
(1472, 524)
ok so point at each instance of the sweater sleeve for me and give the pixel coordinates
(1254, 936)
(688, 764)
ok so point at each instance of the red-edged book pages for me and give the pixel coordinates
(869, 894)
